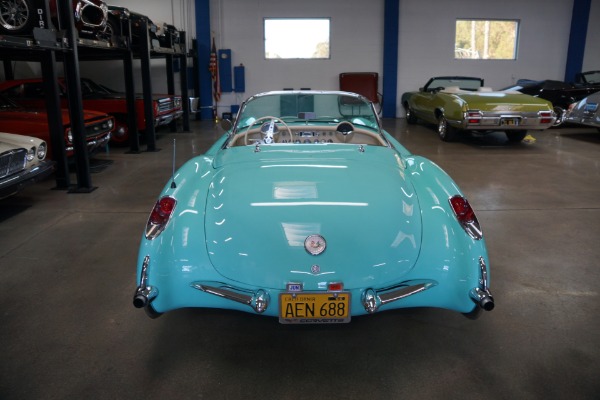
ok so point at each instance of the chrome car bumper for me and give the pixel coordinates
(93, 144)
(260, 299)
(168, 118)
(503, 120)
(13, 184)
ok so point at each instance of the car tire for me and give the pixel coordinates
(446, 132)
(516, 136)
(120, 135)
(411, 118)
(17, 17)
(560, 116)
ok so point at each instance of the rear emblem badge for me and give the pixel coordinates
(315, 244)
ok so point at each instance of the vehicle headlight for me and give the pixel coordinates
(69, 136)
(111, 124)
(42, 151)
(31, 154)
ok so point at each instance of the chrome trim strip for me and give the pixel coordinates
(403, 292)
(482, 295)
(259, 300)
(144, 294)
(372, 299)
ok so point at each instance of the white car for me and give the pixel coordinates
(22, 161)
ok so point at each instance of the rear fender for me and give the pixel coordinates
(447, 251)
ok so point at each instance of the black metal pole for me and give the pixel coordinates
(185, 98)
(72, 79)
(147, 86)
(132, 127)
(171, 85)
(55, 123)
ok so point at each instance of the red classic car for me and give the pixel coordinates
(30, 93)
(19, 17)
(34, 122)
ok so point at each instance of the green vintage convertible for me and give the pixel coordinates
(456, 103)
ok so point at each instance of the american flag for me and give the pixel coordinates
(213, 67)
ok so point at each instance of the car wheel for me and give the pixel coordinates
(516, 136)
(17, 17)
(447, 132)
(560, 116)
(120, 135)
(411, 118)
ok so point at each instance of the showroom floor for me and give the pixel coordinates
(68, 329)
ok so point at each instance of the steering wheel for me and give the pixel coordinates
(344, 131)
(269, 129)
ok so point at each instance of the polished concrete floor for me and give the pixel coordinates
(68, 329)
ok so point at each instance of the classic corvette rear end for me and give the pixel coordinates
(463, 104)
(306, 210)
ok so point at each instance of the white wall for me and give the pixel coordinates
(591, 61)
(427, 32)
(356, 43)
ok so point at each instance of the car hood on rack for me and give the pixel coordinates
(263, 205)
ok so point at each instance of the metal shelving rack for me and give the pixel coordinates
(49, 45)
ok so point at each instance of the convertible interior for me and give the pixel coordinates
(270, 130)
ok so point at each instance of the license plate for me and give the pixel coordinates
(510, 121)
(314, 308)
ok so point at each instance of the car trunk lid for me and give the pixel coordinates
(262, 206)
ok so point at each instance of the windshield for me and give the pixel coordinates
(461, 83)
(591, 77)
(91, 87)
(309, 108)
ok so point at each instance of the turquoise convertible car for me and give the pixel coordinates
(306, 210)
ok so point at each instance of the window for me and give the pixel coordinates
(486, 39)
(293, 38)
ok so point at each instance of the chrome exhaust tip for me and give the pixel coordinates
(144, 294)
(483, 298)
